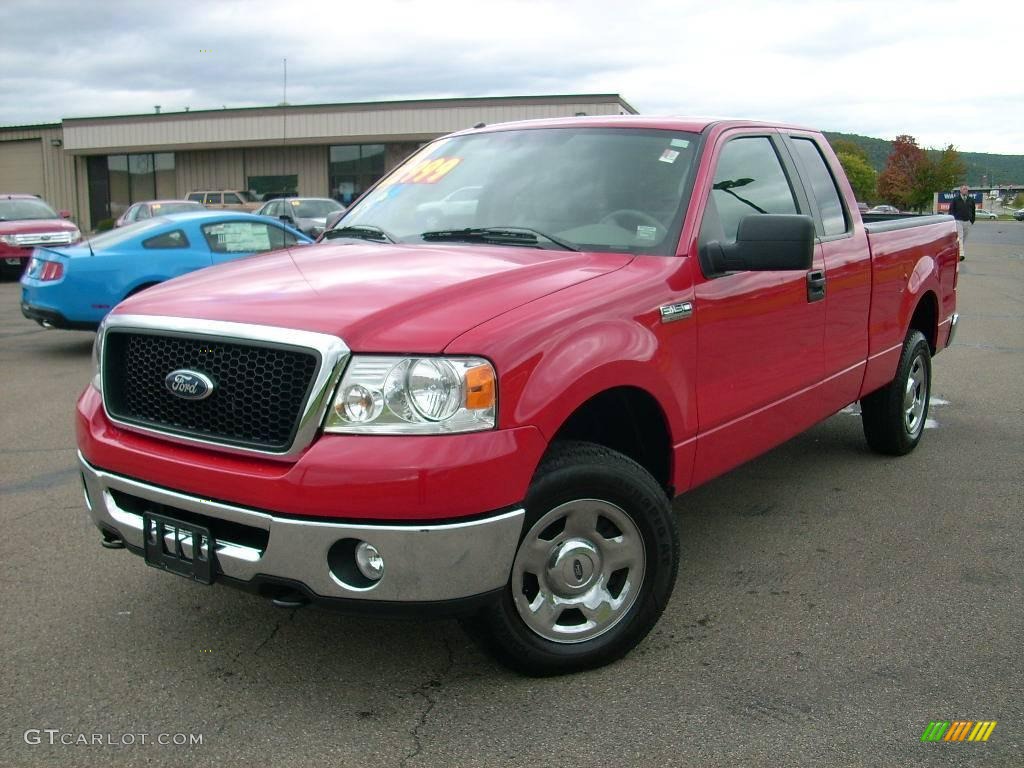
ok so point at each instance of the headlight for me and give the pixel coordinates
(414, 395)
(11, 240)
(76, 235)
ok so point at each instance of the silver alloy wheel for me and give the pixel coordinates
(916, 396)
(578, 571)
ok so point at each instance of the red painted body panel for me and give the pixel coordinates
(409, 298)
(559, 351)
(907, 265)
(351, 477)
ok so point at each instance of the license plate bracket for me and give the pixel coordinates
(185, 549)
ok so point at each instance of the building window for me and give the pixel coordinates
(166, 184)
(269, 187)
(353, 168)
(117, 181)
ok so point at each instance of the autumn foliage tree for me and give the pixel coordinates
(898, 181)
(911, 177)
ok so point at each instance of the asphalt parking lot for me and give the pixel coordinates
(829, 605)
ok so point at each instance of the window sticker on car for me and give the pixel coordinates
(644, 232)
(669, 156)
(243, 236)
(295, 203)
(681, 143)
(429, 172)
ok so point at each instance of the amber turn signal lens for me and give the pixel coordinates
(480, 387)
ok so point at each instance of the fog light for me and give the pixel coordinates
(369, 562)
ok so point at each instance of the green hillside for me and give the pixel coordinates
(999, 169)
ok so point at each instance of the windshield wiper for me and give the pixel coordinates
(500, 235)
(362, 231)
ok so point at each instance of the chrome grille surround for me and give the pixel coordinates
(332, 351)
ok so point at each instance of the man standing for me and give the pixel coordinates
(962, 209)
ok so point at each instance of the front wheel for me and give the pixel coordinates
(894, 416)
(594, 569)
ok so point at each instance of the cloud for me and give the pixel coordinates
(927, 69)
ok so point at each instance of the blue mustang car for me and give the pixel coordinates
(75, 287)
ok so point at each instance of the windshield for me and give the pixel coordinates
(606, 189)
(118, 236)
(313, 209)
(162, 209)
(22, 210)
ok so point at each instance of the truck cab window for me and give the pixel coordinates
(823, 186)
(748, 180)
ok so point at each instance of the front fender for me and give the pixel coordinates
(577, 366)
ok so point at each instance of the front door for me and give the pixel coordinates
(760, 334)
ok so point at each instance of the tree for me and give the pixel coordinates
(861, 175)
(948, 170)
(898, 182)
(847, 147)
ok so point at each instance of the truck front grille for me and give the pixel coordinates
(259, 389)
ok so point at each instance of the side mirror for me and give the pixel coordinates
(765, 242)
(65, 214)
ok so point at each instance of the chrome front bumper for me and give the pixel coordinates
(423, 563)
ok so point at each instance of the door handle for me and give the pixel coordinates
(816, 285)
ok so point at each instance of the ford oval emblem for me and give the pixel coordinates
(190, 385)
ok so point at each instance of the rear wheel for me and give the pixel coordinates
(594, 569)
(894, 416)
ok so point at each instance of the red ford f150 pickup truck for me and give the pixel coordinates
(490, 413)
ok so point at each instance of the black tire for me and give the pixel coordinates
(632, 518)
(12, 272)
(894, 416)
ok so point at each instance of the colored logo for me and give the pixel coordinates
(190, 385)
(958, 730)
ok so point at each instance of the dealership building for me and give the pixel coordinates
(96, 167)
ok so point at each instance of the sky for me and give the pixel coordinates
(943, 72)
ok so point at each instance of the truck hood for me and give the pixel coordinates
(377, 298)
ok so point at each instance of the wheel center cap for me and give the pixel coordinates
(573, 566)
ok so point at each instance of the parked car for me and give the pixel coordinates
(75, 287)
(1019, 215)
(884, 209)
(307, 214)
(862, 207)
(225, 199)
(25, 222)
(151, 208)
(494, 420)
(981, 213)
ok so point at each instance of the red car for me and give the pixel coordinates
(147, 210)
(25, 222)
(492, 416)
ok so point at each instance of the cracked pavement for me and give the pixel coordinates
(830, 603)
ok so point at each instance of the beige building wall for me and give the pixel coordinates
(319, 124)
(60, 189)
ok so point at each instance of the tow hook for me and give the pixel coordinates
(110, 541)
(290, 599)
